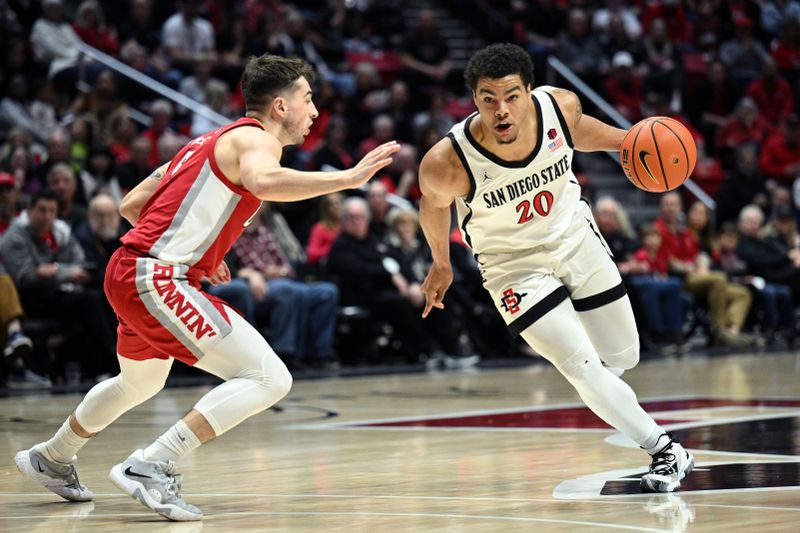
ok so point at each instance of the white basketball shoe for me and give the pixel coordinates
(155, 485)
(669, 466)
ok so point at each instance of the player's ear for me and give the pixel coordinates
(279, 105)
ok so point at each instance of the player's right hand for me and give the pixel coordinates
(376, 159)
(435, 286)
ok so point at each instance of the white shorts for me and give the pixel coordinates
(580, 266)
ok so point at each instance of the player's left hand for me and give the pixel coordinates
(221, 276)
(435, 286)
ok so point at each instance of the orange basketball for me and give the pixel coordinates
(658, 154)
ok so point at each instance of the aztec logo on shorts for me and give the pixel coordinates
(511, 300)
(180, 303)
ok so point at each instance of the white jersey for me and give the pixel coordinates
(518, 205)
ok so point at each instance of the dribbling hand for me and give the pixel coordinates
(435, 286)
(376, 159)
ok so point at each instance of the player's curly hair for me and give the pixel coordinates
(267, 76)
(497, 61)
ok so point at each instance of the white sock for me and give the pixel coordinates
(172, 445)
(62, 446)
(657, 439)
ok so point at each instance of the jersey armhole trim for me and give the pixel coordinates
(561, 120)
(467, 169)
(212, 159)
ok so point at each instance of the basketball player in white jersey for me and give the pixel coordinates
(508, 168)
(186, 216)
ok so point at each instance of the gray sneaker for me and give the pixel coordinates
(61, 478)
(155, 485)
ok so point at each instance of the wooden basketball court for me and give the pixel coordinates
(494, 450)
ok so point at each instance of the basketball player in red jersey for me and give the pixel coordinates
(186, 215)
(507, 168)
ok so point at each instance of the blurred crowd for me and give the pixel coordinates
(336, 280)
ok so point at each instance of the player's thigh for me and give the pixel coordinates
(558, 335)
(612, 328)
(242, 353)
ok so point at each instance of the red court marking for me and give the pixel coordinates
(576, 417)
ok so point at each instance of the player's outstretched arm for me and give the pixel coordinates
(588, 133)
(134, 201)
(260, 171)
(438, 192)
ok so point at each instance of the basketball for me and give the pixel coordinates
(658, 154)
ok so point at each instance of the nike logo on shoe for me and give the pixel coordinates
(129, 472)
(39, 466)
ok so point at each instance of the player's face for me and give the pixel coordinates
(505, 106)
(301, 111)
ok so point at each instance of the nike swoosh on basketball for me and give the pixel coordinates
(129, 472)
(642, 158)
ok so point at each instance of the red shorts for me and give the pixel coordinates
(161, 313)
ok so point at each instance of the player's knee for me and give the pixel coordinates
(140, 391)
(625, 359)
(580, 364)
(282, 382)
(274, 383)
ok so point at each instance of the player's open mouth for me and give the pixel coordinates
(502, 127)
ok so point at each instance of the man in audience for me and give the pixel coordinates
(780, 155)
(369, 278)
(379, 208)
(99, 236)
(299, 318)
(48, 267)
(764, 258)
(61, 180)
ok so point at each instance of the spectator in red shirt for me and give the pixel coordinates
(91, 27)
(786, 50)
(771, 93)
(673, 14)
(743, 127)
(324, 232)
(780, 155)
(624, 87)
(382, 131)
(728, 302)
(659, 293)
(161, 113)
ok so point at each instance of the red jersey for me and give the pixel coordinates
(196, 213)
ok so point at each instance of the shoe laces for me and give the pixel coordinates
(664, 460)
(174, 481)
(72, 478)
